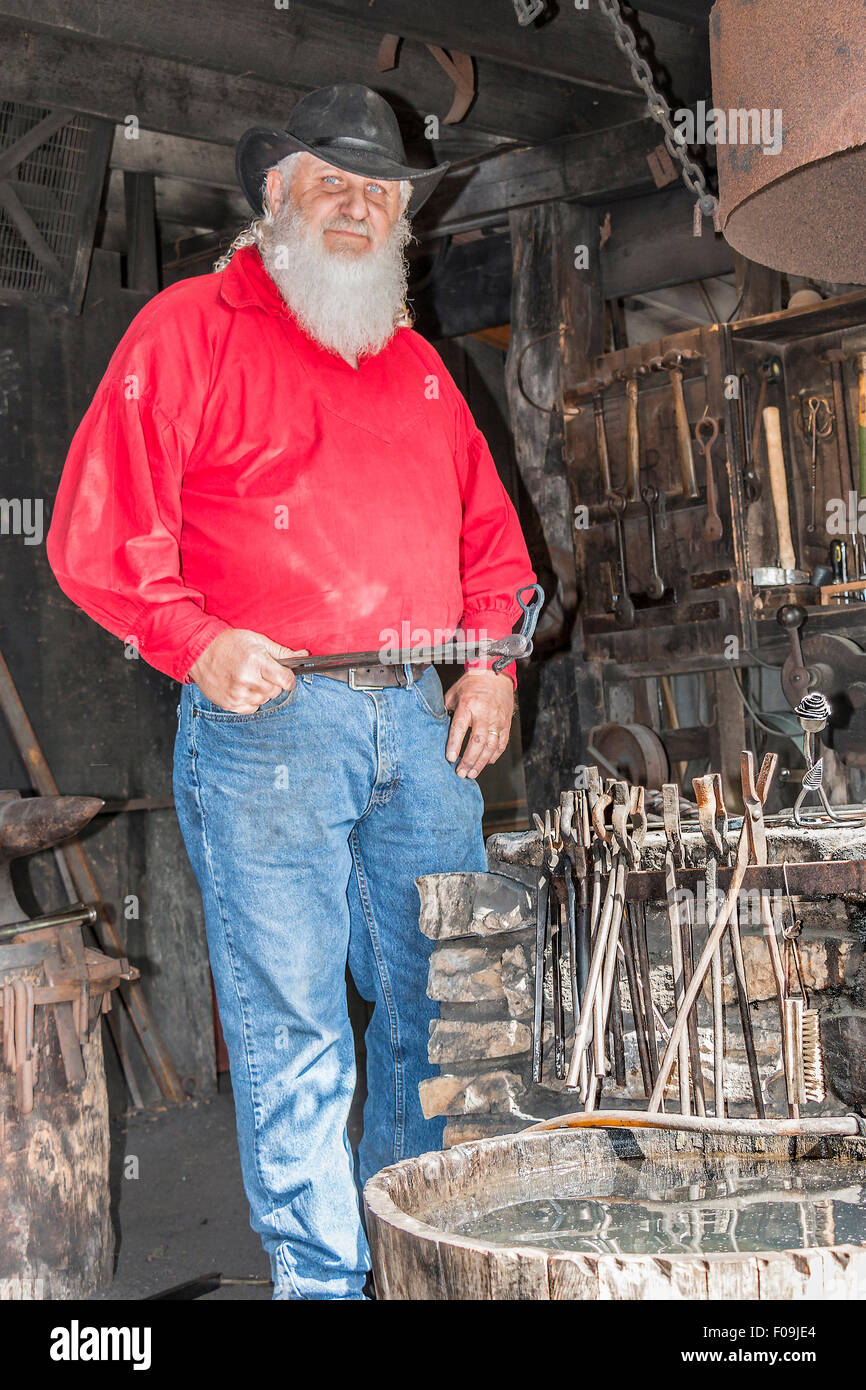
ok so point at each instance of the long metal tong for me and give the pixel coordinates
(754, 800)
(514, 647)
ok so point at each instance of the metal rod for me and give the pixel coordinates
(540, 938)
(646, 980)
(77, 913)
(637, 1009)
(555, 913)
(737, 875)
(616, 1030)
(692, 1030)
(828, 1125)
(615, 887)
(745, 1015)
(675, 927)
(718, 1033)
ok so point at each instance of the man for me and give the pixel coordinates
(274, 464)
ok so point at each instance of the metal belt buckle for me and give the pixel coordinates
(356, 684)
(359, 684)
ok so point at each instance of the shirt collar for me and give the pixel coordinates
(246, 283)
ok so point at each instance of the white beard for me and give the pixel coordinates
(350, 304)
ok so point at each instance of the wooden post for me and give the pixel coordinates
(557, 327)
(142, 261)
(764, 289)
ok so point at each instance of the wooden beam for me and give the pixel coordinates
(694, 14)
(606, 164)
(191, 205)
(50, 68)
(203, 161)
(288, 53)
(603, 165)
(759, 286)
(498, 337)
(548, 291)
(27, 229)
(470, 291)
(576, 45)
(37, 135)
(652, 245)
(142, 266)
(174, 157)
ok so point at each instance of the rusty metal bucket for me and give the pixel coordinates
(799, 209)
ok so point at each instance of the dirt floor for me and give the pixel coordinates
(184, 1214)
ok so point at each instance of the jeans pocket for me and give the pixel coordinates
(429, 694)
(206, 709)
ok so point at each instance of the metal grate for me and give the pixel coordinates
(54, 183)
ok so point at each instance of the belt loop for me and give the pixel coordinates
(409, 674)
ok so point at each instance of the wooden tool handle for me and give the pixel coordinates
(779, 486)
(684, 437)
(632, 441)
(601, 447)
(861, 421)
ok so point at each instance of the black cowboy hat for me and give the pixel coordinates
(346, 125)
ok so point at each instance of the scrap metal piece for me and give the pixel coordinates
(460, 67)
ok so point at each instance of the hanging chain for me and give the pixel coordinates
(693, 175)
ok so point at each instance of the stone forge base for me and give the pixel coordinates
(482, 974)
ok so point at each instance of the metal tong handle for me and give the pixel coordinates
(531, 610)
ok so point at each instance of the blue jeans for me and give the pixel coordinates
(306, 824)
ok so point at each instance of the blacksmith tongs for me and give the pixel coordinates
(514, 647)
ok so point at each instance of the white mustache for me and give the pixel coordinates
(348, 224)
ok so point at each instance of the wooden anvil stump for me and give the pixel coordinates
(56, 1239)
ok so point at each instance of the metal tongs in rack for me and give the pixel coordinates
(622, 840)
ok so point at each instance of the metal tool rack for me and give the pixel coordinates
(711, 613)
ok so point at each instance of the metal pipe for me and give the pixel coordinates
(78, 912)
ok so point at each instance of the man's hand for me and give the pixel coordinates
(484, 702)
(239, 670)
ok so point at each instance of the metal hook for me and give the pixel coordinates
(561, 409)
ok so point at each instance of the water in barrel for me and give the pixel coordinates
(643, 1208)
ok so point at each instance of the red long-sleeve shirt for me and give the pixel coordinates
(231, 473)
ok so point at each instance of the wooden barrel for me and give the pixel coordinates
(413, 1206)
(56, 1238)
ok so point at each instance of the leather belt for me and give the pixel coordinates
(372, 677)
